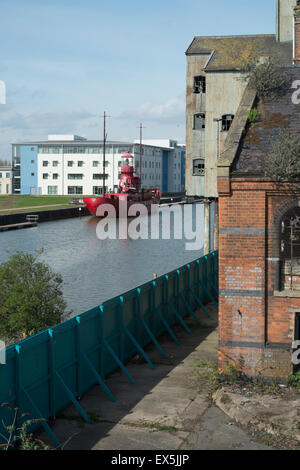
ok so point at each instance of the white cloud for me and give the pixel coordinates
(173, 110)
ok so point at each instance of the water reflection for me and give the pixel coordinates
(95, 270)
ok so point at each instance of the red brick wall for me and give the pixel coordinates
(253, 322)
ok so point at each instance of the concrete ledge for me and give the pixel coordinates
(287, 293)
(277, 416)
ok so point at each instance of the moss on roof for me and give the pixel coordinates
(234, 52)
(274, 115)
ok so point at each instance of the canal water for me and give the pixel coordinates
(95, 270)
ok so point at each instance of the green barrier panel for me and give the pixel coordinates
(48, 371)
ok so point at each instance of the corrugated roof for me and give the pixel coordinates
(233, 52)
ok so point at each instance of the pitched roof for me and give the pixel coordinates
(232, 52)
(252, 142)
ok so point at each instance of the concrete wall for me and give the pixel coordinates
(284, 30)
(195, 140)
(224, 91)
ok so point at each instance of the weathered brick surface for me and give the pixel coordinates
(254, 322)
(264, 362)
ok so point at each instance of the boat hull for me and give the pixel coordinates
(118, 206)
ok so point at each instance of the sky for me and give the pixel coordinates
(65, 62)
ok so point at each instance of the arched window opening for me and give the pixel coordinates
(290, 250)
(227, 121)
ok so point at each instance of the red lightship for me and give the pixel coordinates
(129, 191)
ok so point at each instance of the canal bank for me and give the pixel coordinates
(44, 215)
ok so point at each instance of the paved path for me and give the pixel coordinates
(165, 409)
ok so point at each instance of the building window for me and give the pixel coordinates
(70, 163)
(75, 190)
(52, 189)
(32, 174)
(99, 176)
(55, 163)
(199, 121)
(95, 164)
(198, 167)
(32, 161)
(199, 84)
(55, 176)
(80, 163)
(227, 121)
(45, 176)
(97, 189)
(75, 176)
(290, 250)
(45, 163)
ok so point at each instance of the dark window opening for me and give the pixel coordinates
(75, 190)
(100, 176)
(227, 121)
(200, 84)
(290, 250)
(99, 189)
(199, 121)
(296, 367)
(198, 167)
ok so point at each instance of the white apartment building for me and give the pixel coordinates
(5, 180)
(73, 165)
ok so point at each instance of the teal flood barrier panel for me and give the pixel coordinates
(52, 369)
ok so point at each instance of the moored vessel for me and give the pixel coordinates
(129, 192)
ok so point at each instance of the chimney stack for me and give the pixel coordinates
(297, 33)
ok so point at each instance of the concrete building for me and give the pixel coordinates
(214, 90)
(70, 164)
(5, 180)
(259, 235)
(284, 20)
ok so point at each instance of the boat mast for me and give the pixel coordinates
(141, 149)
(104, 150)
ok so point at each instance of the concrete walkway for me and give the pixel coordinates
(164, 410)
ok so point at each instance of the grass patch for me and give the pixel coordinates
(23, 203)
(206, 377)
(16, 201)
(225, 399)
(94, 417)
(156, 426)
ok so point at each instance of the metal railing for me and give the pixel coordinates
(48, 371)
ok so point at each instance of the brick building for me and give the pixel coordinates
(259, 237)
(214, 89)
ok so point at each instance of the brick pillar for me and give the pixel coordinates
(297, 34)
